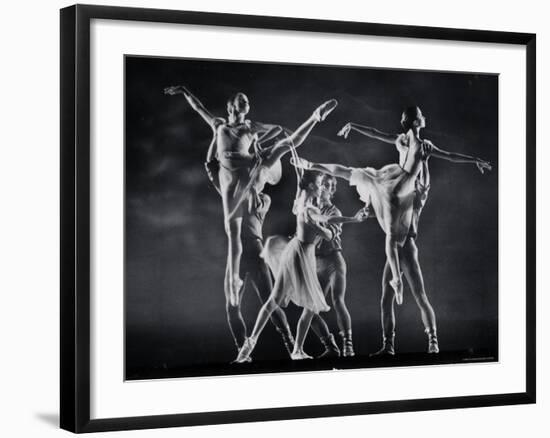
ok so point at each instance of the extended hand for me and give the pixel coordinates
(301, 163)
(483, 165)
(362, 215)
(344, 132)
(176, 89)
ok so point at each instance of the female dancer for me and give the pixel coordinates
(239, 174)
(391, 189)
(331, 269)
(233, 139)
(296, 278)
(267, 170)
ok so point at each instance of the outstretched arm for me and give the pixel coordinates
(336, 170)
(362, 215)
(455, 157)
(368, 131)
(316, 220)
(193, 102)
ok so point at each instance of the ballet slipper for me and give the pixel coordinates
(397, 286)
(245, 351)
(299, 355)
(321, 113)
(301, 163)
(345, 131)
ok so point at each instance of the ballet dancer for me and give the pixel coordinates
(392, 193)
(231, 146)
(408, 253)
(239, 168)
(331, 270)
(296, 279)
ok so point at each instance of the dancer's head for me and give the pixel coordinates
(312, 183)
(412, 118)
(329, 188)
(238, 104)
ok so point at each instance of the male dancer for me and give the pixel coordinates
(331, 270)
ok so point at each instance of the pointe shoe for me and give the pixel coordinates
(433, 345)
(235, 291)
(301, 163)
(321, 113)
(299, 355)
(245, 351)
(247, 360)
(397, 285)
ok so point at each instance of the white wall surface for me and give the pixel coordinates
(29, 248)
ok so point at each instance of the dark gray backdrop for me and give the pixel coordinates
(175, 242)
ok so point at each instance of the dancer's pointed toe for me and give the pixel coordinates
(245, 351)
(325, 109)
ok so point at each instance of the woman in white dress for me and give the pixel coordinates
(296, 278)
(390, 191)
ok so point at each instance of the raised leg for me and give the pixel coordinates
(319, 115)
(298, 137)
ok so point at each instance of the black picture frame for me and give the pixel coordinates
(75, 217)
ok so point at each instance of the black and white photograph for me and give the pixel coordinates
(291, 217)
(271, 219)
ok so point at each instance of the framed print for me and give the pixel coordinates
(270, 218)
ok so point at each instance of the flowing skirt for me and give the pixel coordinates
(294, 267)
(234, 176)
(239, 175)
(391, 192)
